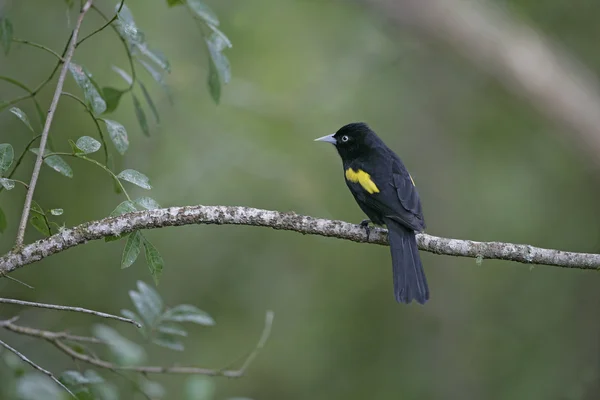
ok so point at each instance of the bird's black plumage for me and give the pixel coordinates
(386, 193)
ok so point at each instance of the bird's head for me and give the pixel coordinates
(352, 140)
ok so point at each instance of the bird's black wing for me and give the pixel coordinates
(412, 213)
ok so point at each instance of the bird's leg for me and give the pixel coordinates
(365, 225)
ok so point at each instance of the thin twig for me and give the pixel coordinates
(35, 366)
(48, 123)
(108, 22)
(68, 308)
(289, 221)
(91, 113)
(48, 335)
(174, 370)
(39, 46)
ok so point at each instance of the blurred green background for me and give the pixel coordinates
(487, 165)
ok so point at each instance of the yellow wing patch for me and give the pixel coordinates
(363, 178)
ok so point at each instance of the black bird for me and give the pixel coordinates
(386, 192)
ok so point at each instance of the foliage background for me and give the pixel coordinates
(487, 165)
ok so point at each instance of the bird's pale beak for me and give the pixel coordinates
(327, 138)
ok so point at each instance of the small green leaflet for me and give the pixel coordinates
(74, 378)
(188, 313)
(39, 222)
(88, 144)
(172, 3)
(126, 77)
(132, 249)
(118, 135)
(147, 302)
(35, 386)
(219, 69)
(203, 11)
(172, 329)
(123, 208)
(135, 177)
(7, 184)
(141, 116)
(56, 163)
(22, 116)
(112, 97)
(2, 221)
(84, 81)
(6, 33)
(155, 56)
(124, 350)
(150, 102)
(57, 211)
(200, 388)
(126, 26)
(7, 155)
(147, 203)
(168, 341)
(154, 260)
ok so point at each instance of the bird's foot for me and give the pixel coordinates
(365, 225)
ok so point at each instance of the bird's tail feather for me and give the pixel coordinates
(409, 277)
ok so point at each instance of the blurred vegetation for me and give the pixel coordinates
(488, 167)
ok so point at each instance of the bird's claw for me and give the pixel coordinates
(365, 225)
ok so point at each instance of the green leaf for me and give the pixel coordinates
(203, 11)
(141, 116)
(172, 329)
(7, 184)
(155, 56)
(88, 144)
(214, 83)
(56, 211)
(187, 313)
(2, 221)
(22, 116)
(39, 223)
(90, 91)
(150, 102)
(127, 27)
(168, 341)
(135, 177)
(55, 162)
(7, 155)
(154, 260)
(118, 135)
(131, 315)
(124, 350)
(74, 147)
(147, 203)
(35, 386)
(126, 77)
(112, 97)
(147, 301)
(199, 388)
(132, 249)
(6, 33)
(76, 378)
(172, 3)
(123, 208)
(152, 389)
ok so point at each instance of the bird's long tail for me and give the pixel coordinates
(409, 277)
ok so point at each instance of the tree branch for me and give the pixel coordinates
(68, 308)
(56, 339)
(35, 366)
(57, 93)
(226, 215)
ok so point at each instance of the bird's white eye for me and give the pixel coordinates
(344, 138)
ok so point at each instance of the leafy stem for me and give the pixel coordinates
(108, 22)
(21, 159)
(40, 46)
(91, 113)
(104, 167)
(127, 49)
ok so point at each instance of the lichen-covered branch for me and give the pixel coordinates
(223, 215)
